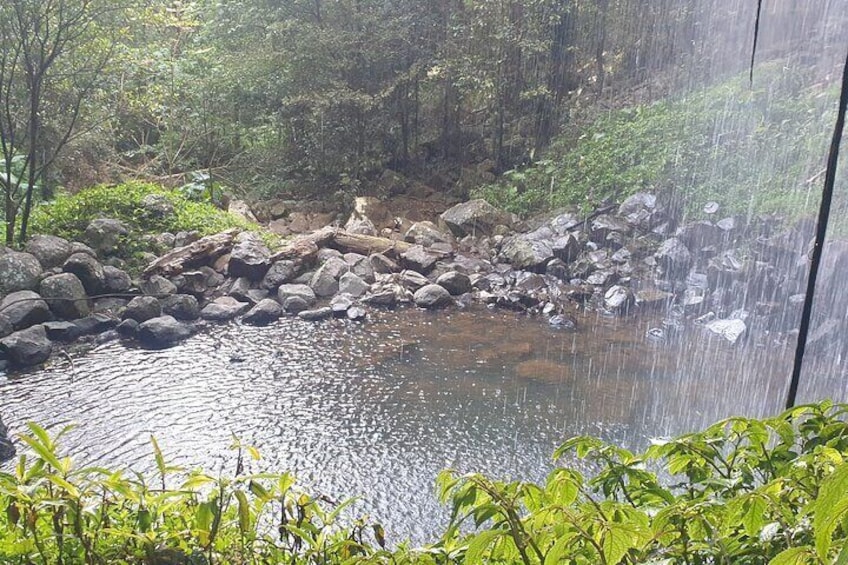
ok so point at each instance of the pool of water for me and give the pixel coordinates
(376, 410)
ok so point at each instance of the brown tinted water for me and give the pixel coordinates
(376, 410)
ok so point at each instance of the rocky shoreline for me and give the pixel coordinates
(618, 260)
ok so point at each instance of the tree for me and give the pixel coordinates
(52, 54)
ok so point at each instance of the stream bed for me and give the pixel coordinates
(376, 410)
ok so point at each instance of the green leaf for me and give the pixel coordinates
(829, 507)
(754, 517)
(794, 556)
(479, 544)
(559, 549)
(243, 511)
(160, 459)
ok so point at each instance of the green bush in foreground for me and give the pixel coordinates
(743, 491)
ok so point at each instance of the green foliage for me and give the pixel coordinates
(771, 491)
(743, 491)
(69, 214)
(752, 149)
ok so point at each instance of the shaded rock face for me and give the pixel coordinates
(302, 291)
(181, 306)
(325, 281)
(265, 312)
(104, 235)
(674, 257)
(88, 271)
(69, 293)
(51, 251)
(23, 309)
(475, 217)
(418, 259)
(527, 251)
(158, 285)
(27, 347)
(115, 280)
(18, 271)
(455, 283)
(280, 272)
(249, 258)
(432, 296)
(143, 308)
(162, 332)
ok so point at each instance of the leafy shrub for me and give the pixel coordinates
(68, 215)
(743, 491)
(753, 149)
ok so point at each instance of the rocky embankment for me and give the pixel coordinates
(730, 279)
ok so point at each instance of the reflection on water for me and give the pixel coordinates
(376, 410)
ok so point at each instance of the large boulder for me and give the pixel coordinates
(18, 271)
(249, 258)
(157, 285)
(181, 306)
(432, 296)
(674, 257)
(280, 272)
(426, 233)
(530, 251)
(23, 309)
(27, 347)
(104, 235)
(325, 281)
(51, 251)
(142, 308)
(475, 217)
(162, 331)
(265, 312)
(69, 296)
(418, 259)
(115, 280)
(455, 283)
(224, 308)
(301, 291)
(88, 270)
(351, 284)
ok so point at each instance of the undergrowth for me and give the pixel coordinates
(743, 491)
(754, 148)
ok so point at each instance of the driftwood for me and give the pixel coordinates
(305, 247)
(368, 244)
(202, 252)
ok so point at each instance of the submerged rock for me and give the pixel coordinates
(730, 329)
(223, 309)
(265, 312)
(162, 331)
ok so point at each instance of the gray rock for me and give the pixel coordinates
(27, 347)
(18, 271)
(96, 323)
(183, 238)
(340, 304)
(604, 224)
(455, 283)
(674, 257)
(88, 270)
(653, 298)
(696, 235)
(557, 269)
(351, 284)
(23, 309)
(360, 225)
(356, 313)
(432, 296)
(193, 282)
(563, 223)
(224, 308)
(327, 253)
(265, 312)
(127, 328)
(79, 247)
(418, 259)
(560, 322)
(163, 331)
(181, 306)
(104, 235)
(249, 258)
(475, 217)
(382, 264)
(7, 449)
(50, 250)
(413, 280)
(5, 327)
(115, 280)
(240, 289)
(426, 234)
(158, 285)
(302, 291)
(385, 298)
(142, 308)
(109, 305)
(280, 272)
(295, 304)
(566, 248)
(316, 315)
(62, 330)
(639, 209)
(157, 206)
(731, 329)
(618, 298)
(69, 292)
(527, 251)
(325, 281)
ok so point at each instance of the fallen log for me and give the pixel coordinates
(368, 244)
(204, 251)
(305, 247)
